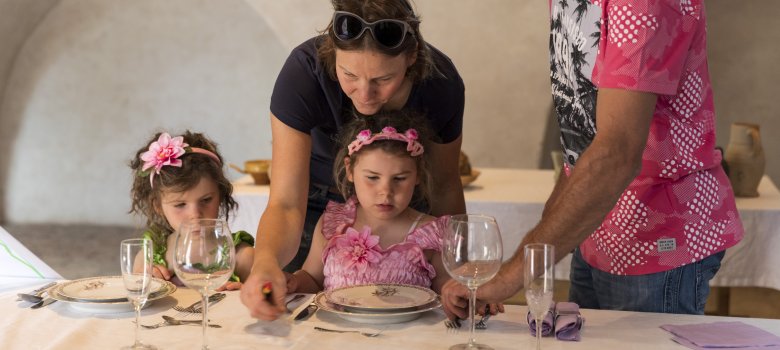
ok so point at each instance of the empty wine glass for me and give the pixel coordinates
(472, 253)
(135, 256)
(204, 258)
(539, 266)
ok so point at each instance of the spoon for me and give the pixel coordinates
(174, 322)
(35, 296)
(365, 334)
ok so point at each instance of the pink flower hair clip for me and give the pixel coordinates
(166, 151)
(364, 137)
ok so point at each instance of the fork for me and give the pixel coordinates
(482, 323)
(365, 334)
(452, 325)
(197, 306)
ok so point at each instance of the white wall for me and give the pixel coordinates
(88, 81)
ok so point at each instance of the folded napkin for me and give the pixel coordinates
(547, 322)
(736, 335)
(568, 321)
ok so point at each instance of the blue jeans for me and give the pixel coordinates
(683, 290)
(319, 196)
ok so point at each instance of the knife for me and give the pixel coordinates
(44, 303)
(307, 312)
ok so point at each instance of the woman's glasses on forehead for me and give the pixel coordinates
(389, 33)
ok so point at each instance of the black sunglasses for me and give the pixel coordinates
(389, 33)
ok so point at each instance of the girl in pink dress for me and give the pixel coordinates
(376, 236)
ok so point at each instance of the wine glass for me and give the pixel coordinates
(472, 253)
(135, 256)
(539, 266)
(204, 258)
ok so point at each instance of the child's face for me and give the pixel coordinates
(384, 183)
(199, 202)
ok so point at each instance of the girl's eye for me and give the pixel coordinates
(373, 178)
(399, 179)
(207, 200)
(179, 205)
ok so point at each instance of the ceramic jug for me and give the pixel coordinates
(745, 158)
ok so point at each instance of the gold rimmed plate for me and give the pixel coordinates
(380, 297)
(380, 317)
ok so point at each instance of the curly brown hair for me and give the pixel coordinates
(401, 121)
(373, 10)
(146, 199)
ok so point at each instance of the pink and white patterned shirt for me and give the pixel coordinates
(680, 208)
(354, 257)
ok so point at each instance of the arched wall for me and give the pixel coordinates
(83, 83)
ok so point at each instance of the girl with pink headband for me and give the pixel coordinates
(178, 178)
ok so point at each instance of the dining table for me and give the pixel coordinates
(516, 198)
(60, 326)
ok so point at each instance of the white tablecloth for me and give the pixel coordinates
(19, 267)
(516, 198)
(60, 327)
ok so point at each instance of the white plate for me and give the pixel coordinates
(105, 289)
(113, 306)
(381, 297)
(374, 317)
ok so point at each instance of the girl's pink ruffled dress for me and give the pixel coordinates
(353, 257)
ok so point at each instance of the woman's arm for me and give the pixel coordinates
(280, 227)
(310, 277)
(447, 193)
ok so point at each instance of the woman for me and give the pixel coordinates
(370, 58)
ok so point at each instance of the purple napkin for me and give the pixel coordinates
(723, 335)
(568, 321)
(547, 322)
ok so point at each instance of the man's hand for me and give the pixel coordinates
(265, 271)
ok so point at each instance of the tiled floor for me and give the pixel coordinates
(77, 251)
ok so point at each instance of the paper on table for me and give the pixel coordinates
(736, 335)
(19, 266)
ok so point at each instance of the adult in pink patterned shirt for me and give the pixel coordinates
(645, 206)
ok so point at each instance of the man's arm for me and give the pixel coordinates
(580, 202)
(601, 174)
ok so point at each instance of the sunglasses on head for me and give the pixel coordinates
(389, 33)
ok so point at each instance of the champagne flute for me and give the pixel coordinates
(539, 266)
(472, 253)
(204, 258)
(135, 256)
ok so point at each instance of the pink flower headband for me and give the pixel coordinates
(364, 137)
(166, 151)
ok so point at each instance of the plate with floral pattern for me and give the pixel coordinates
(380, 297)
(376, 317)
(106, 289)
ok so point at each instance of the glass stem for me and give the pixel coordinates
(539, 333)
(205, 318)
(137, 307)
(472, 311)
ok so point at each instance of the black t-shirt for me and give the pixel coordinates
(306, 99)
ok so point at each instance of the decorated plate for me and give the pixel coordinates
(111, 306)
(374, 317)
(380, 297)
(106, 289)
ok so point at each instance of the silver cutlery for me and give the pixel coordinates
(365, 334)
(482, 323)
(292, 300)
(307, 312)
(452, 325)
(170, 321)
(43, 303)
(35, 295)
(197, 306)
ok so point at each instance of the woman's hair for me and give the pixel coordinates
(146, 198)
(370, 11)
(401, 121)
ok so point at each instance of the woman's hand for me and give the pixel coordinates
(265, 270)
(292, 282)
